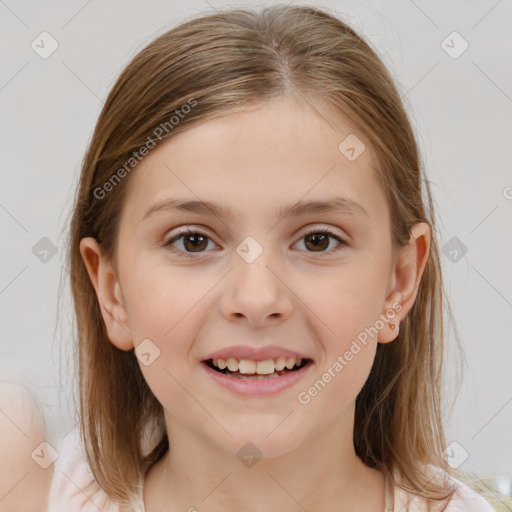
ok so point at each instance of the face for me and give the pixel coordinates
(253, 275)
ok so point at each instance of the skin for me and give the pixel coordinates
(312, 301)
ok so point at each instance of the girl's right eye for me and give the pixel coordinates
(194, 240)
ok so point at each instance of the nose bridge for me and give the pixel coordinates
(256, 291)
(254, 260)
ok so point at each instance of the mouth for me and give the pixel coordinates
(258, 370)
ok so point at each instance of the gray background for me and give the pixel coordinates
(461, 109)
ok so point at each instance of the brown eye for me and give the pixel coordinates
(318, 240)
(193, 242)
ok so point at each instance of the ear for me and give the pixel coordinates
(405, 279)
(108, 292)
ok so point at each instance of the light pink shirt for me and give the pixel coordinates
(75, 490)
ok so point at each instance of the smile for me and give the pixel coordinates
(246, 367)
(250, 378)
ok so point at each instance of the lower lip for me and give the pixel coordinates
(247, 388)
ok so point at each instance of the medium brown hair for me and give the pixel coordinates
(226, 62)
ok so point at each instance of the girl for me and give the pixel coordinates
(257, 283)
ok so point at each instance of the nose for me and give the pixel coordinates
(256, 292)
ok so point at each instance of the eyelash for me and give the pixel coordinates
(326, 231)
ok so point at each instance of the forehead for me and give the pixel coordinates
(256, 161)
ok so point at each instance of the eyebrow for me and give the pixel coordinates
(336, 204)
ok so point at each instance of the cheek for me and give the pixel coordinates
(335, 390)
(160, 310)
(344, 301)
(165, 316)
(160, 297)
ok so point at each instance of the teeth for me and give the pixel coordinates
(280, 363)
(290, 362)
(264, 367)
(232, 364)
(246, 366)
(267, 367)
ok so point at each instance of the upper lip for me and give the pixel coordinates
(254, 354)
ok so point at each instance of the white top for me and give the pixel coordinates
(74, 489)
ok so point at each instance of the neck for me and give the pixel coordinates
(324, 474)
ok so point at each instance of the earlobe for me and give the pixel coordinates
(108, 293)
(406, 278)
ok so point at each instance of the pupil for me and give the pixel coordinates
(315, 236)
(194, 244)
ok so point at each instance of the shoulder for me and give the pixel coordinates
(464, 499)
(24, 484)
(73, 486)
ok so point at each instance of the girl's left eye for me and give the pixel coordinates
(198, 241)
(319, 237)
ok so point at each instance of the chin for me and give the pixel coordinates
(256, 442)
